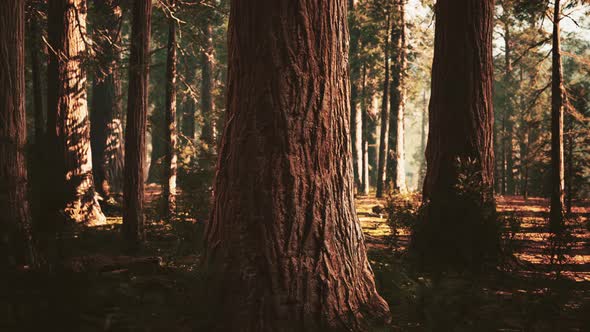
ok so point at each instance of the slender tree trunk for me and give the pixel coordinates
(569, 155)
(365, 136)
(107, 129)
(15, 219)
(524, 150)
(284, 247)
(556, 215)
(207, 86)
(188, 109)
(508, 111)
(133, 190)
(396, 171)
(356, 96)
(157, 125)
(68, 129)
(383, 148)
(170, 167)
(458, 225)
(423, 132)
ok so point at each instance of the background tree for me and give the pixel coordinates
(171, 159)
(15, 243)
(457, 227)
(284, 150)
(133, 190)
(396, 171)
(68, 127)
(106, 116)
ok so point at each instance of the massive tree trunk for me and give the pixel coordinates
(207, 85)
(356, 96)
(68, 129)
(107, 129)
(133, 189)
(396, 171)
(284, 248)
(383, 143)
(458, 225)
(556, 215)
(15, 239)
(170, 160)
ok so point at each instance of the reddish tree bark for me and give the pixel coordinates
(458, 224)
(106, 116)
(284, 248)
(133, 187)
(171, 159)
(15, 239)
(556, 214)
(68, 129)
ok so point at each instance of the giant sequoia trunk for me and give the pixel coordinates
(133, 188)
(68, 129)
(458, 224)
(107, 129)
(207, 85)
(170, 159)
(284, 248)
(396, 171)
(383, 137)
(556, 215)
(15, 242)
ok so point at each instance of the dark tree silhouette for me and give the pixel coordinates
(458, 224)
(106, 116)
(15, 239)
(133, 188)
(284, 248)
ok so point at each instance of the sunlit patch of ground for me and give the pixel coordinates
(534, 294)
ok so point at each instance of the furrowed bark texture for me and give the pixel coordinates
(556, 215)
(68, 128)
(458, 190)
(170, 158)
(15, 235)
(133, 186)
(106, 115)
(284, 248)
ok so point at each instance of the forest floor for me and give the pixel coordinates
(532, 293)
(101, 289)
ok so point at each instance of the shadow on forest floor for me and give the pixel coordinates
(101, 289)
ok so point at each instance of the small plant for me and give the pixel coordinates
(559, 248)
(403, 211)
